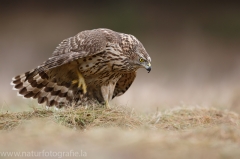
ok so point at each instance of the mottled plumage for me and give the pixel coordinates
(97, 64)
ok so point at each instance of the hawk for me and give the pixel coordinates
(97, 64)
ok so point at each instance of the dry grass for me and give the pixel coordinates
(86, 118)
(195, 117)
(78, 118)
(185, 132)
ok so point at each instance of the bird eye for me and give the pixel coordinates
(141, 60)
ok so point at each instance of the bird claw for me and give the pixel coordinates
(81, 82)
(107, 105)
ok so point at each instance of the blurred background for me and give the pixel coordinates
(195, 47)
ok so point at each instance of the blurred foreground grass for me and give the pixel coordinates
(184, 132)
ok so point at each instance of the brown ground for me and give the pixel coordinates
(183, 132)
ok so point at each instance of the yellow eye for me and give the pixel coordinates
(141, 60)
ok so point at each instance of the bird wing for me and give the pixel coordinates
(85, 43)
(60, 60)
(124, 83)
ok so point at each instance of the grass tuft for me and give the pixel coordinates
(181, 118)
(86, 118)
(8, 120)
(194, 117)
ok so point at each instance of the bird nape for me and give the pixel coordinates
(92, 66)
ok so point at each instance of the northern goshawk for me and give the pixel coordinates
(97, 64)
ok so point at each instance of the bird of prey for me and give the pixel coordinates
(98, 64)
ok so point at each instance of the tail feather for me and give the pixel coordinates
(36, 95)
(29, 94)
(33, 84)
(18, 86)
(41, 100)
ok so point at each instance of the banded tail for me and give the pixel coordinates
(33, 84)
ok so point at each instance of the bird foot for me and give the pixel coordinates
(107, 105)
(81, 82)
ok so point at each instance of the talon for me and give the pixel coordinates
(81, 82)
(107, 105)
(74, 81)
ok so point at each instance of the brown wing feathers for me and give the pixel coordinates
(60, 60)
(37, 85)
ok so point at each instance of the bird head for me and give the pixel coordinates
(142, 59)
(138, 56)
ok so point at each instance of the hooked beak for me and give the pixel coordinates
(149, 68)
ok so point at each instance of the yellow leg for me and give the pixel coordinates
(81, 82)
(105, 94)
(107, 105)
